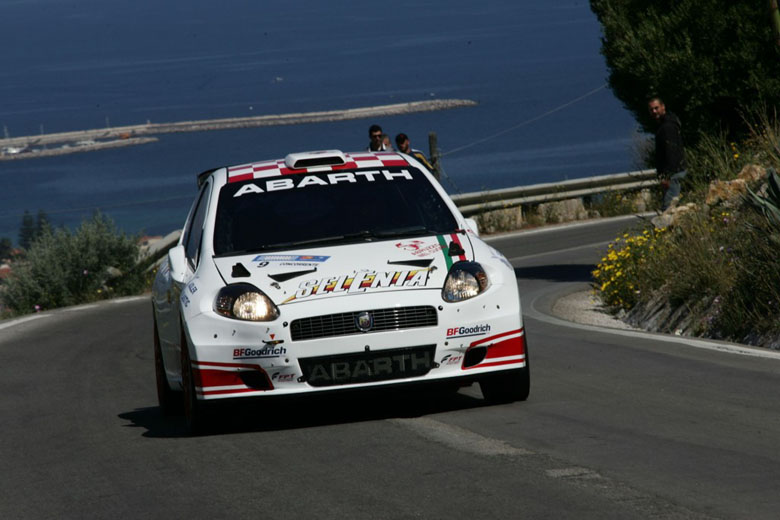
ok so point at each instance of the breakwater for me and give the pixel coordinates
(90, 140)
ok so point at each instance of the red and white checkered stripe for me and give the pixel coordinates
(355, 161)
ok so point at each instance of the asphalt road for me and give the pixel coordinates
(619, 425)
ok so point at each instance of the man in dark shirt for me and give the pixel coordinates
(669, 151)
(404, 146)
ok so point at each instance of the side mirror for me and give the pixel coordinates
(471, 223)
(177, 260)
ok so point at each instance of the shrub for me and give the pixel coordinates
(63, 268)
(618, 274)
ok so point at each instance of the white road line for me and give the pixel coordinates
(565, 226)
(459, 438)
(12, 323)
(593, 245)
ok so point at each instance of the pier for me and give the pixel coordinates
(27, 147)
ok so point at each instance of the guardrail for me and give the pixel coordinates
(479, 202)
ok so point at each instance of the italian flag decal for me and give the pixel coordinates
(445, 247)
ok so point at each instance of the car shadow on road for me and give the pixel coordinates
(557, 272)
(294, 412)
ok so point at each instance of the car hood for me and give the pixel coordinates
(317, 273)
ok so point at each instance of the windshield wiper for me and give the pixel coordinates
(409, 231)
(334, 239)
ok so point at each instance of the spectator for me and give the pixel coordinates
(386, 142)
(402, 142)
(669, 151)
(376, 144)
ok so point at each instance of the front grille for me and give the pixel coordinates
(342, 324)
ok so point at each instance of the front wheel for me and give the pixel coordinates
(195, 413)
(169, 401)
(506, 386)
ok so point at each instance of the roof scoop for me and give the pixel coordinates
(297, 161)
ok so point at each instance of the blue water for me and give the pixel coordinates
(80, 64)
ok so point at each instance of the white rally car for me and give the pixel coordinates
(329, 270)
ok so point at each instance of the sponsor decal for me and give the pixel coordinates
(192, 287)
(419, 247)
(282, 378)
(185, 300)
(259, 353)
(449, 359)
(360, 281)
(290, 258)
(463, 332)
(289, 183)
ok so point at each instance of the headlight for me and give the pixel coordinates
(465, 280)
(244, 301)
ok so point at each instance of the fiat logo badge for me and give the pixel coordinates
(364, 321)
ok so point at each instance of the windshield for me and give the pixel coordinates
(329, 207)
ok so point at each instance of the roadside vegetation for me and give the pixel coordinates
(708, 267)
(59, 267)
(711, 267)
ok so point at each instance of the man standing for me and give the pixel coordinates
(376, 143)
(402, 142)
(669, 151)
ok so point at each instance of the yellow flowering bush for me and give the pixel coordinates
(616, 275)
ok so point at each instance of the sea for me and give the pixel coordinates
(544, 111)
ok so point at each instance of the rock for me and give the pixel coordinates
(752, 173)
(562, 211)
(642, 200)
(671, 216)
(730, 193)
(498, 220)
(113, 272)
(726, 192)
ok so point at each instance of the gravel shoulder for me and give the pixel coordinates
(586, 308)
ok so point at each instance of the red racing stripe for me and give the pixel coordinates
(493, 338)
(456, 239)
(390, 162)
(209, 377)
(506, 348)
(231, 391)
(242, 177)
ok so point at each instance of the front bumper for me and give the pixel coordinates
(232, 358)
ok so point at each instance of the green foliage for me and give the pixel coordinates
(5, 248)
(63, 268)
(769, 205)
(30, 229)
(26, 231)
(710, 60)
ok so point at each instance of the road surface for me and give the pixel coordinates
(619, 425)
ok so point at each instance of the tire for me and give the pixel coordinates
(195, 415)
(170, 402)
(507, 386)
